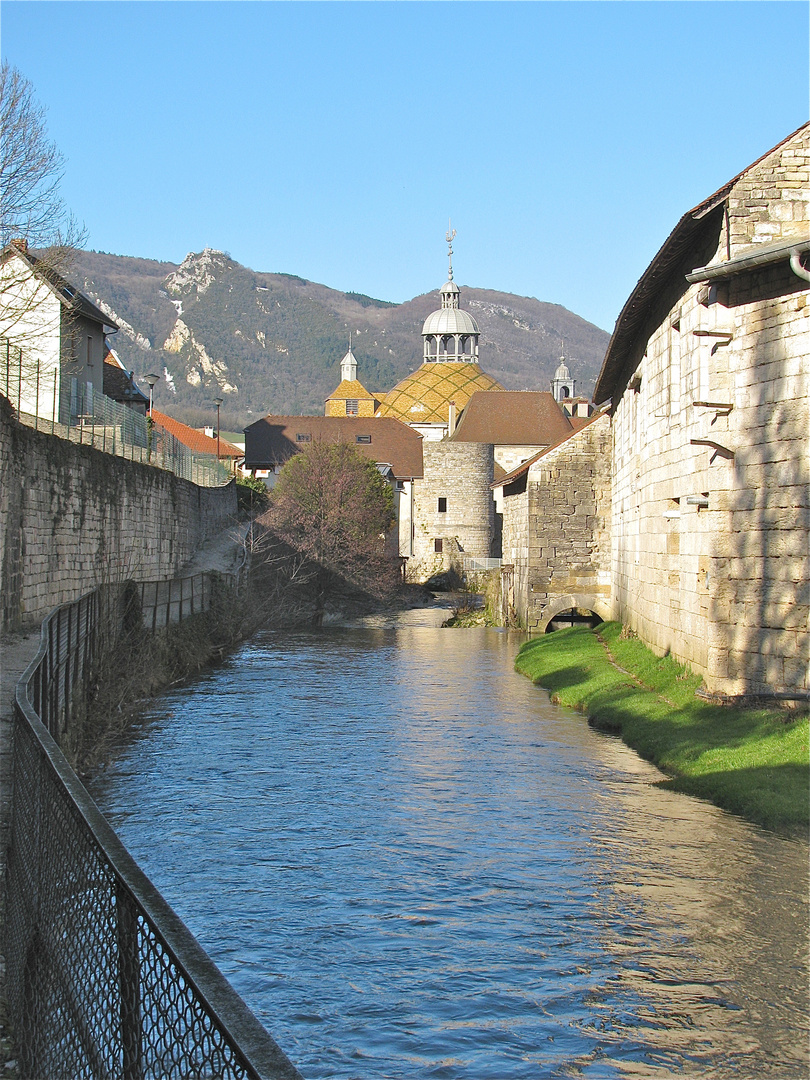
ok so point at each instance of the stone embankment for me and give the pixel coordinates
(224, 553)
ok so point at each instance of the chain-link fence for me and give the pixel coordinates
(61, 405)
(104, 980)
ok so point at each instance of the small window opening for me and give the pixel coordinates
(362, 438)
(303, 437)
(442, 507)
(438, 546)
(352, 406)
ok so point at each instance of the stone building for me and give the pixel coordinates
(556, 531)
(708, 378)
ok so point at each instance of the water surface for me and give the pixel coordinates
(410, 864)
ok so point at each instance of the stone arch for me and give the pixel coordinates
(599, 605)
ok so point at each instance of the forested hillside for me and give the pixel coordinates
(273, 342)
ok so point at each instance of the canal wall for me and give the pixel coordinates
(73, 517)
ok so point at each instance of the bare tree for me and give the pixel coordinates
(32, 213)
(332, 507)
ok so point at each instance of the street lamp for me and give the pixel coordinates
(151, 380)
(218, 401)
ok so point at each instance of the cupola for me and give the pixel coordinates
(449, 334)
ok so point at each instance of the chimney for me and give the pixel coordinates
(20, 243)
(451, 418)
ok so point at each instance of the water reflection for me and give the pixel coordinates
(412, 865)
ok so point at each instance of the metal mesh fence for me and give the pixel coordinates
(63, 406)
(104, 980)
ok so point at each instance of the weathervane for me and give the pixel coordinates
(449, 237)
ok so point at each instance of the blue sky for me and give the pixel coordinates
(335, 140)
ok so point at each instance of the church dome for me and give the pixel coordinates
(562, 371)
(450, 321)
(424, 397)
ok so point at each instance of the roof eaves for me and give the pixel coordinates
(630, 322)
(526, 465)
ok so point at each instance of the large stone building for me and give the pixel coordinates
(708, 378)
(683, 508)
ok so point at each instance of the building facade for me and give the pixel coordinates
(708, 375)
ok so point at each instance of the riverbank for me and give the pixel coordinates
(750, 761)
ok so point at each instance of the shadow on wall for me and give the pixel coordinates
(766, 611)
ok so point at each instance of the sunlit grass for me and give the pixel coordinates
(753, 762)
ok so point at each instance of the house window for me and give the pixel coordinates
(89, 351)
(438, 546)
(442, 507)
(362, 438)
(352, 406)
(303, 437)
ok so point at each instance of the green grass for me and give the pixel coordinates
(753, 762)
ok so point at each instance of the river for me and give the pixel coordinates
(410, 864)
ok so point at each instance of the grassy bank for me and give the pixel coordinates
(753, 762)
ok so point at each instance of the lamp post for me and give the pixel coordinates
(218, 401)
(150, 380)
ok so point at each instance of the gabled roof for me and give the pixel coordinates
(524, 467)
(691, 243)
(351, 388)
(76, 302)
(119, 383)
(275, 439)
(512, 418)
(195, 440)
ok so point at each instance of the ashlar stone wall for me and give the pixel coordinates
(556, 533)
(72, 517)
(711, 512)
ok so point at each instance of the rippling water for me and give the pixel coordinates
(410, 864)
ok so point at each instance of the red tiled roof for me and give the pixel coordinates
(274, 440)
(195, 440)
(513, 418)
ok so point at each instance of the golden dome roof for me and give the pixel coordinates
(424, 396)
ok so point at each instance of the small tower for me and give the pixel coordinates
(562, 385)
(348, 367)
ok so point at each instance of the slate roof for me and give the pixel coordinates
(193, 439)
(70, 297)
(513, 418)
(424, 396)
(273, 440)
(691, 243)
(119, 383)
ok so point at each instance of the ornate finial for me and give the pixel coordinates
(449, 237)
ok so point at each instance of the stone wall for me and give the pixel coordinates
(711, 458)
(556, 533)
(72, 517)
(460, 474)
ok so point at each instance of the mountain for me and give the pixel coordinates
(272, 343)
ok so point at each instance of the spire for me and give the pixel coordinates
(450, 237)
